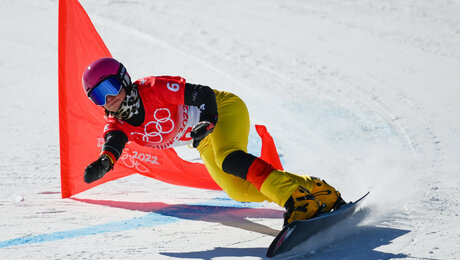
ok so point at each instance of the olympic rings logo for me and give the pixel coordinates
(154, 130)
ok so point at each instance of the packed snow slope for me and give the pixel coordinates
(361, 93)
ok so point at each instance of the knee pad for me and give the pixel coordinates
(237, 163)
(247, 167)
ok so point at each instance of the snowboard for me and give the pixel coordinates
(299, 231)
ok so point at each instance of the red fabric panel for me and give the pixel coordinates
(79, 120)
(269, 153)
(81, 123)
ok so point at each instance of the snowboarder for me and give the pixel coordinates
(159, 112)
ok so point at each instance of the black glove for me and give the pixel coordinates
(200, 131)
(98, 169)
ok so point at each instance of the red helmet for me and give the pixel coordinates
(103, 77)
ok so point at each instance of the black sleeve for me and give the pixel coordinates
(115, 142)
(204, 98)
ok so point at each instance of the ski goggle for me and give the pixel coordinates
(111, 86)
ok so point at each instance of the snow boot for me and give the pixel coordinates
(303, 204)
(327, 195)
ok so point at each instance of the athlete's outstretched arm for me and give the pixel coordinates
(115, 142)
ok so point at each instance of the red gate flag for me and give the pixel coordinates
(269, 152)
(81, 122)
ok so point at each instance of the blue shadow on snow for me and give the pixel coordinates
(162, 214)
(359, 242)
(360, 245)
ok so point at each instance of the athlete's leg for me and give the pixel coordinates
(235, 187)
(228, 142)
(230, 134)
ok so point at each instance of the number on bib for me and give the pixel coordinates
(173, 87)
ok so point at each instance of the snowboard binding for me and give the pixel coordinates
(303, 204)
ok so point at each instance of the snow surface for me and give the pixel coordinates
(362, 93)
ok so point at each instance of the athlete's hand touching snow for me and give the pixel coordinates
(98, 169)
